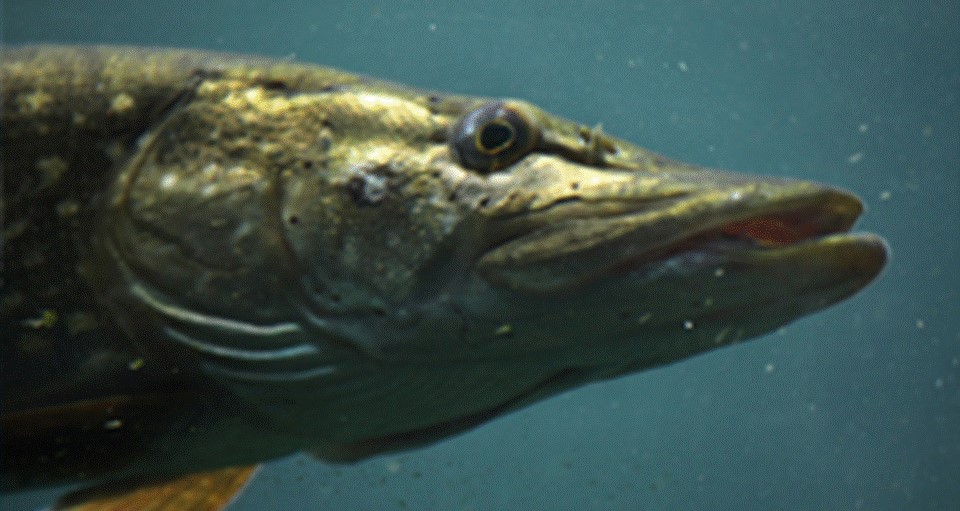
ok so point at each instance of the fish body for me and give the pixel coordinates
(211, 261)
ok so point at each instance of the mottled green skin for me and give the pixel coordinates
(212, 260)
(71, 118)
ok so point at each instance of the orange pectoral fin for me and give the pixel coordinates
(203, 491)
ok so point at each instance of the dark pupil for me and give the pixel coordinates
(495, 137)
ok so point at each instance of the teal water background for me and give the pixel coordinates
(857, 407)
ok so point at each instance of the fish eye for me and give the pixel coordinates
(493, 136)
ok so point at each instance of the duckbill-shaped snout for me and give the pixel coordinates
(710, 257)
(603, 224)
(589, 237)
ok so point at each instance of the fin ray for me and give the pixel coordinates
(203, 491)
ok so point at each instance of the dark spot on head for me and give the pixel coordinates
(274, 84)
(199, 74)
(379, 312)
(307, 165)
(433, 99)
(333, 87)
(335, 297)
(293, 220)
(453, 196)
(438, 135)
(325, 144)
(575, 185)
(484, 202)
(367, 189)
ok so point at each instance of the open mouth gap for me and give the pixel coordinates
(761, 232)
(544, 257)
(773, 231)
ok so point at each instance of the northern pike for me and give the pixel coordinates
(210, 261)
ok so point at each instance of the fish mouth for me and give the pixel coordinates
(766, 225)
(787, 248)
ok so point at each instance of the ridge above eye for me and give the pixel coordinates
(493, 136)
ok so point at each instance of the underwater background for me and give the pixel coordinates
(857, 407)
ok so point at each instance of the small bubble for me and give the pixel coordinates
(768, 368)
(855, 158)
(113, 424)
(938, 384)
(688, 325)
(921, 324)
(863, 127)
(682, 66)
(394, 466)
(885, 195)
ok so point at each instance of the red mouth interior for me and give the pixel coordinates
(775, 231)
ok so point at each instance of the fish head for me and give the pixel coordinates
(379, 268)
